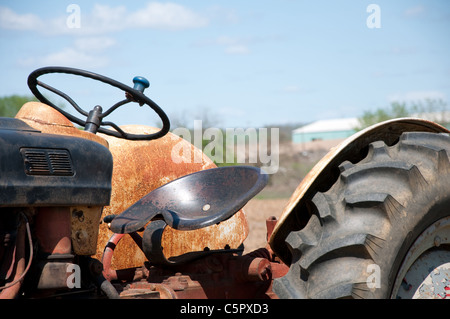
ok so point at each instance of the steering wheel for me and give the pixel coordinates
(94, 121)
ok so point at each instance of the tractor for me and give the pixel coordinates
(107, 212)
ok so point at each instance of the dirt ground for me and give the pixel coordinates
(295, 161)
(257, 211)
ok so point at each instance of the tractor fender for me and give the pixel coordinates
(322, 176)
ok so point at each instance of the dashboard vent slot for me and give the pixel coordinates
(50, 162)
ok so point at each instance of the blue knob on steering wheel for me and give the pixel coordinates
(140, 83)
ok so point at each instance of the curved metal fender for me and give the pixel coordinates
(142, 166)
(321, 175)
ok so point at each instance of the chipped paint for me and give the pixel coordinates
(436, 285)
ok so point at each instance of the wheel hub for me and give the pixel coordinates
(425, 272)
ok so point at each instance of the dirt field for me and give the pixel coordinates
(257, 211)
(295, 161)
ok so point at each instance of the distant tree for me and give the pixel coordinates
(369, 118)
(10, 105)
(435, 110)
(285, 130)
(431, 109)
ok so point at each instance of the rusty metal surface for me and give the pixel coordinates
(85, 223)
(436, 285)
(221, 275)
(321, 175)
(142, 166)
(48, 120)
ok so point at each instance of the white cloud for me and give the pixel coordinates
(75, 58)
(91, 34)
(414, 11)
(13, 21)
(155, 15)
(94, 44)
(68, 57)
(105, 19)
(166, 16)
(86, 52)
(106, 16)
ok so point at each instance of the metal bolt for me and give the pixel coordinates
(437, 241)
(95, 266)
(405, 285)
(81, 235)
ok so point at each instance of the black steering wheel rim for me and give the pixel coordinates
(132, 96)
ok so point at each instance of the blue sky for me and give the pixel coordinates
(247, 63)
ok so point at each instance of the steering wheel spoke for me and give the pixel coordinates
(63, 95)
(120, 133)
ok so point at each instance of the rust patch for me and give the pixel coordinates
(142, 166)
(85, 222)
(48, 120)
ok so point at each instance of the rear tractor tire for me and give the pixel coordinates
(380, 229)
